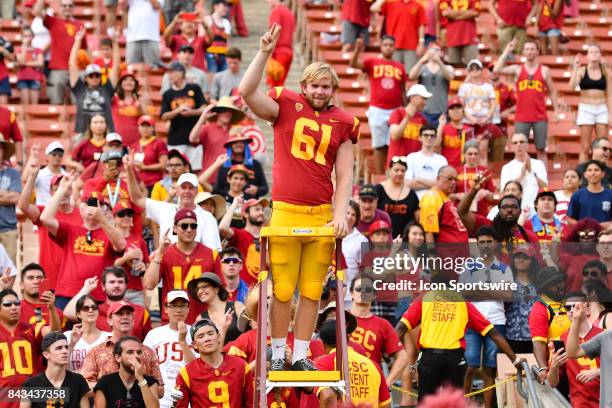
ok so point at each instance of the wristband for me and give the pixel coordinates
(516, 361)
(143, 383)
(542, 369)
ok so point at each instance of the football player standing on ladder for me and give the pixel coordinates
(311, 137)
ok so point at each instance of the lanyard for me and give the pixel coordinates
(113, 197)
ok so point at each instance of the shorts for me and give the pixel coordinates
(592, 114)
(193, 153)
(406, 57)
(553, 32)
(108, 3)
(143, 51)
(540, 131)
(301, 262)
(432, 118)
(377, 120)
(58, 86)
(477, 346)
(429, 39)
(28, 84)
(461, 54)
(5, 87)
(351, 31)
(215, 62)
(506, 34)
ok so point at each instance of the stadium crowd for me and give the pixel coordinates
(144, 293)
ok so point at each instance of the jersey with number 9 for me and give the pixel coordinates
(228, 386)
(305, 146)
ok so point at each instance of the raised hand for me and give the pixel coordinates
(90, 284)
(76, 334)
(182, 331)
(268, 41)
(6, 281)
(80, 34)
(138, 369)
(511, 46)
(47, 298)
(164, 242)
(577, 61)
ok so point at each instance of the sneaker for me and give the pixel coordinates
(303, 365)
(277, 364)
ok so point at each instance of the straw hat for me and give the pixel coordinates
(227, 103)
(219, 202)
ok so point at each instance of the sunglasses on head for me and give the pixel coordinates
(231, 260)
(583, 234)
(13, 303)
(366, 289)
(89, 308)
(399, 159)
(185, 226)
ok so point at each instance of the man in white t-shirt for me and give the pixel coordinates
(170, 341)
(163, 213)
(142, 33)
(423, 166)
(55, 153)
(490, 303)
(531, 173)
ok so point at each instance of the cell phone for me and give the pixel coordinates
(44, 286)
(92, 202)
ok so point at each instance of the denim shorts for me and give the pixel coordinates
(5, 87)
(215, 62)
(553, 32)
(477, 345)
(28, 84)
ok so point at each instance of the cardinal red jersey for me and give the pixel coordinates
(283, 16)
(460, 32)
(583, 395)
(48, 248)
(20, 358)
(85, 254)
(306, 143)
(453, 140)
(245, 346)
(199, 44)
(377, 337)
(9, 126)
(228, 386)
(29, 314)
(248, 246)
(177, 269)
(466, 176)
(357, 12)
(142, 320)
(514, 12)
(410, 141)
(63, 32)
(530, 96)
(402, 20)
(547, 21)
(386, 80)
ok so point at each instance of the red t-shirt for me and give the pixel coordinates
(125, 117)
(282, 16)
(48, 249)
(386, 79)
(465, 181)
(142, 320)
(583, 395)
(541, 326)
(306, 143)
(229, 386)
(460, 32)
(403, 19)
(28, 313)
(212, 137)
(377, 337)
(245, 242)
(177, 269)
(9, 126)
(546, 21)
(30, 73)
(514, 12)
(62, 32)
(357, 12)
(136, 241)
(20, 358)
(453, 140)
(80, 259)
(410, 141)
(86, 152)
(199, 45)
(531, 96)
(153, 149)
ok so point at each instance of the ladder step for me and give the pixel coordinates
(304, 376)
(297, 232)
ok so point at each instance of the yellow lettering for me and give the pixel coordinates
(194, 272)
(218, 392)
(302, 145)
(22, 356)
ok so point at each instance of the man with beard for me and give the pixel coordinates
(19, 342)
(544, 224)
(33, 310)
(101, 359)
(246, 239)
(214, 379)
(548, 317)
(130, 386)
(311, 139)
(56, 351)
(114, 285)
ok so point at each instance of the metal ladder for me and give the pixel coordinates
(538, 395)
(264, 381)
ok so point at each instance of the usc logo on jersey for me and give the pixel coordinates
(451, 141)
(534, 84)
(388, 71)
(366, 338)
(412, 131)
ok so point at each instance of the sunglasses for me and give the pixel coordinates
(90, 308)
(68, 5)
(13, 303)
(123, 214)
(60, 154)
(605, 149)
(231, 260)
(94, 76)
(184, 227)
(367, 289)
(399, 159)
(591, 274)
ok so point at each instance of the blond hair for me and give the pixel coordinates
(319, 70)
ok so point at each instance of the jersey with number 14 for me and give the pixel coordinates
(305, 146)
